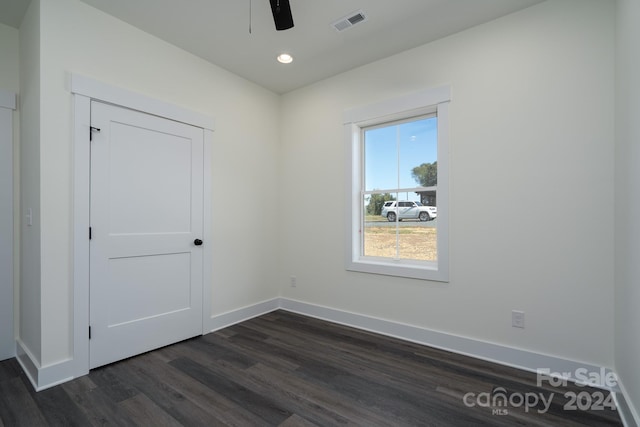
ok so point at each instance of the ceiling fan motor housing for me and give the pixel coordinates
(282, 17)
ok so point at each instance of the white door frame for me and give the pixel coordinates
(84, 90)
(7, 105)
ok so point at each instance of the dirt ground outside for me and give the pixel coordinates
(417, 242)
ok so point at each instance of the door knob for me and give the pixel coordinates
(197, 242)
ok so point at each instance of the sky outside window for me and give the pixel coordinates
(391, 153)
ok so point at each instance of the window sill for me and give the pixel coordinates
(426, 271)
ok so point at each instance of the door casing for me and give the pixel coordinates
(84, 90)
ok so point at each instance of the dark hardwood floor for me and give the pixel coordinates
(282, 369)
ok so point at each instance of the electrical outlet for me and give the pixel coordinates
(517, 319)
(293, 281)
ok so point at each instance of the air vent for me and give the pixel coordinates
(349, 21)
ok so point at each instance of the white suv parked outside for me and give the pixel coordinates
(403, 209)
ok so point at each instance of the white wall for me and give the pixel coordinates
(532, 125)
(627, 344)
(7, 343)
(9, 81)
(532, 175)
(78, 38)
(30, 317)
(9, 52)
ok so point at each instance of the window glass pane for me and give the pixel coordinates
(417, 240)
(414, 237)
(418, 153)
(378, 234)
(380, 158)
(400, 224)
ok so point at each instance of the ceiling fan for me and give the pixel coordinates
(282, 17)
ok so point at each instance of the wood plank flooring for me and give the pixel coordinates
(283, 369)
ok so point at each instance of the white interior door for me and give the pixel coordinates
(146, 217)
(7, 342)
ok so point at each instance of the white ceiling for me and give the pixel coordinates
(12, 11)
(218, 31)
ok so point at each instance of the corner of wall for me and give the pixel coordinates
(627, 209)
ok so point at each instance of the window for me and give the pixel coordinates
(398, 189)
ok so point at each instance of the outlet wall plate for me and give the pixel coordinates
(517, 319)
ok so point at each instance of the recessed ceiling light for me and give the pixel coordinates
(285, 58)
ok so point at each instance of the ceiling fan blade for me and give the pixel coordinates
(282, 17)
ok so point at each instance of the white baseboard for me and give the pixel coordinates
(628, 413)
(233, 317)
(43, 377)
(28, 363)
(496, 353)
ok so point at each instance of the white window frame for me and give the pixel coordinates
(355, 120)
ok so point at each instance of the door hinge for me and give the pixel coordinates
(91, 130)
(89, 332)
(89, 233)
